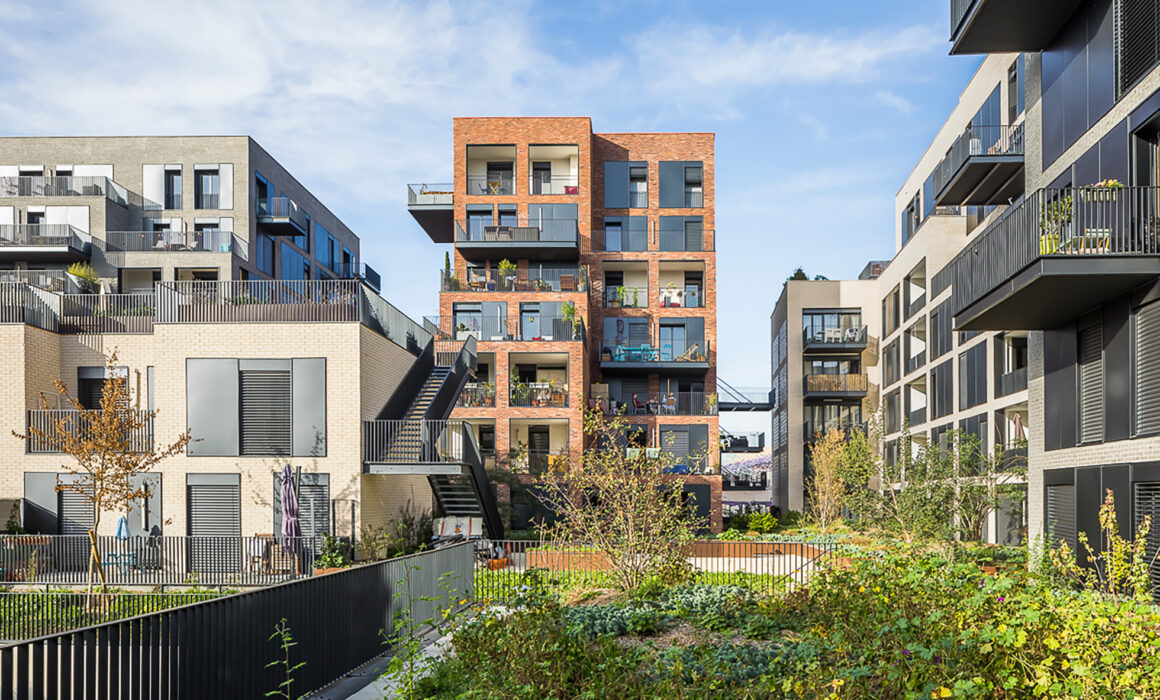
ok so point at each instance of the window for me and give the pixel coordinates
(1091, 384)
(173, 188)
(892, 370)
(973, 376)
(638, 187)
(892, 412)
(910, 219)
(294, 265)
(1015, 90)
(207, 189)
(1147, 366)
(680, 184)
(941, 390)
(264, 409)
(265, 256)
(693, 193)
(891, 312)
(324, 247)
(940, 333)
(627, 233)
(613, 235)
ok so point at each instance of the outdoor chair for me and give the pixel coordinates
(523, 283)
(567, 283)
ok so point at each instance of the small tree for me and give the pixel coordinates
(629, 509)
(860, 472)
(799, 274)
(1121, 570)
(984, 482)
(826, 489)
(107, 450)
(918, 490)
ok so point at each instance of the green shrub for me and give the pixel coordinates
(763, 522)
(740, 521)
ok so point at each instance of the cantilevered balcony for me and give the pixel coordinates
(690, 358)
(43, 242)
(209, 241)
(432, 205)
(282, 216)
(833, 338)
(984, 166)
(527, 239)
(999, 26)
(834, 385)
(1056, 251)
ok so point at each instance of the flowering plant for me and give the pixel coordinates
(1110, 183)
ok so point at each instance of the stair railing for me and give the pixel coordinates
(448, 394)
(411, 384)
(482, 485)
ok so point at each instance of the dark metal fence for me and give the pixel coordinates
(46, 424)
(107, 313)
(986, 140)
(42, 235)
(531, 230)
(158, 561)
(201, 241)
(222, 647)
(36, 614)
(502, 571)
(413, 441)
(80, 186)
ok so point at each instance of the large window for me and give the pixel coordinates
(832, 326)
(973, 376)
(295, 266)
(638, 187)
(207, 189)
(324, 247)
(940, 330)
(942, 390)
(265, 411)
(265, 254)
(681, 184)
(625, 184)
(173, 188)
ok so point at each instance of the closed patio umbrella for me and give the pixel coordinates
(123, 529)
(291, 529)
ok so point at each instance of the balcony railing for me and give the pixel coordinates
(107, 313)
(670, 403)
(359, 271)
(556, 184)
(684, 239)
(521, 231)
(625, 240)
(47, 426)
(431, 194)
(959, 9)
(977, 141)
(680, 298)
(626, 297)
(833, 335)
(538, 462)
(539, 394)
(43, 236)
(51, 280)
(915, 305)
(1072, 222)
(694, 199)
(1011, 382)
(835, 383)
(413, 441)
(692, 351)
(813, 431)
(477, 395)
(915, 361)
(87, 186)
(491, 185)
(917, 416)
(241, 301)
(1014, 457)
(275, 210)
(205, 241)
(490, 327)
(533, 278)
(206, 200)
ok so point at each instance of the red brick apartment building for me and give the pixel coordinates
(585, 267)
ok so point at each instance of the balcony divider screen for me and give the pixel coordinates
(1147, 380)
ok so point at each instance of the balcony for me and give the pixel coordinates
(43, 243)
(833, 338)
(282, 216)
(539, 184)
(983, 167)
(432, 205)
(814, 431)
(744, 442)
(477, 395)
(684, 239)
(55, 424)
(359, 271)
(669, 403)
(1056, 251)
(205, 241)
(397, 446)
(834, 385)
(1002, 26)
(539, 395)
(534, 239)
(84, 314)
(533, 278)
(51, 280)
(626, 297)
(1011, 382)
(691, 360)
(915, 361)
(491, 185)
(94, 186)
(916, 416)
(491, 328)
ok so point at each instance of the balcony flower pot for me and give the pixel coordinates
(328, 570)
(497, 564)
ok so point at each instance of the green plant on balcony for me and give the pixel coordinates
(711, 403)
(507, 273)
(244, 299)
(1104, 190)
(620, 292)
(85, 277)
(568, 311)
(1054, 216)
(520, 393)
(453, 284)
(541, 285)
(636, 297)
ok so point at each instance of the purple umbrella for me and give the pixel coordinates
(291, 529)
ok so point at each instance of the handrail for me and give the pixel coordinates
(431, 194)
(977, 141)
(401, 398)
(482, 485)
(448, 394)
(43, 235)
(79, 186)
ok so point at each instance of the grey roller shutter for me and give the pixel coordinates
(1146, 502)
(1138, 39)
(637, 333)
(76, 512)
(616, 185)
(1091, 384)
(215, 525)
(675, 441)
(1061, 515)
(266, 401)
(1148, 370)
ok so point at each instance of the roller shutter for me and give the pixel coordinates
(1091, 384)
(1146, 497)
(76, 512)
(1138, 38)
(1148, 369)
(215, 524)
(266, 401)
(1061, 515)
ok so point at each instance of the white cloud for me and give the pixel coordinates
(896, 101)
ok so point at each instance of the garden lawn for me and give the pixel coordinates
(887, 626)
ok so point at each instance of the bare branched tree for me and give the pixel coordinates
(109, 445)
(825, 488)
(625, 504)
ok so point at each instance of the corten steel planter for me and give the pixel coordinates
(568, 560)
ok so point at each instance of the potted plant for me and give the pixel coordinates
(620, 296)
(568, 311)
(85, 277)
(507, 274)
(541, 285)
(636, 297)
(334, 556)
(1104, 190)
(711, 403)
(1053, 217)
(605, 354)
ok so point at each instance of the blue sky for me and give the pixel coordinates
(820, 109)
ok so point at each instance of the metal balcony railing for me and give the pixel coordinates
(204, 200)
(520, 231)
(83, 314)
(359, 271)
(272, 208)
(51, 280)
(835, 383)
(85, 186)
(539, 394)
(917, 416)
(694, 199)
(43, 236)
(431, 194)
(670, 403)
(915, 306)
(1011, 382)
(532, 278)
(680, 298)
(413, 441)
(491, 327)
(813, 431)
(302, 301)
(491, 185)
(692, 239)
(690, 351)
(626, 297)
(477, 395)
(204, 241)
(1072, 222)
(556, 184)
(822, 335)
(47, 426)
(977, 141)
(915, 361)
(959, 10)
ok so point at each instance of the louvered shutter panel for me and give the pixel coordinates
(76, 513)
(1061, 515)
(1091, 385)
(1138, 24)
(215, 526)
(1146, 499)
(314, 509)
(265, 412)
(630, 386)
(637, 333)
(1148, 370)
(676, 443)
